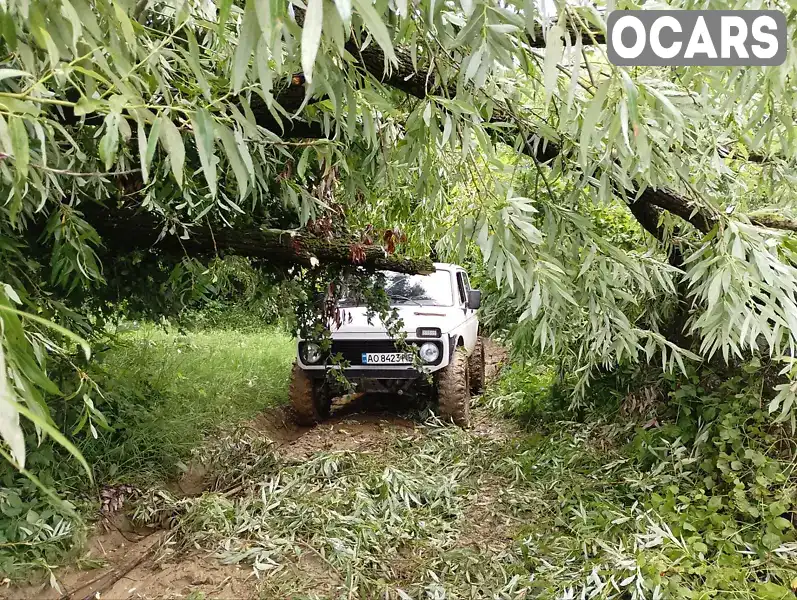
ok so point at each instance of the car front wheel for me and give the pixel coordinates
(453, 390)
(309, 401)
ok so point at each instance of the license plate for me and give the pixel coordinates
(387, 358)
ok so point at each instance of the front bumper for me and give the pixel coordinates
(353, 346)
(380, 372)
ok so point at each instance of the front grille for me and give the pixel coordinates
(352, 350)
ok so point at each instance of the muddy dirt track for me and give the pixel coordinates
(122, 561)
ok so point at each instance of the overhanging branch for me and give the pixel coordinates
(127, 229)
(404, 77)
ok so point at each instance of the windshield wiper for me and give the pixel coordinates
(395, 297)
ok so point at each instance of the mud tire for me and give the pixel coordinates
(476, 367)
(308, 399)
(453, 390)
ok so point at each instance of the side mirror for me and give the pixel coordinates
(474, 299)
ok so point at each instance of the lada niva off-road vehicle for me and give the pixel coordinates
(439, 318)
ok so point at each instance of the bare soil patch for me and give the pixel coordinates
(487, 527)
(137, 565)
(496, 357)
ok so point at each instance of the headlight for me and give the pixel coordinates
(429, 352)
(311, 353)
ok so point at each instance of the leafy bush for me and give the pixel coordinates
(690, 494)
(241, 297)
(524, 391)
(35, 532)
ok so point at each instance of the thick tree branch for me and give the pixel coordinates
(754, 157)
(589, 37)
(676, 204)
(648, 217)
(772, 221)
(404, 77)
(127, 229)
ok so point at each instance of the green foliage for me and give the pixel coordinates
(364, 515)
(150, 289)
(185, 114)
(36, 534)
(691, 494)
(526, 392)
(746, 464)
(163, 394)
(234, 293)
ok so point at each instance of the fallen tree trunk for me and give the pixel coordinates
(127, 230)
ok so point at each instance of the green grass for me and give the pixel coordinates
(165, 392)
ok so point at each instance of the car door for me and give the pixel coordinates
(470, 327)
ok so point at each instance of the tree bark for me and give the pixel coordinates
(773, 221)
(125, 230)
(589, 37)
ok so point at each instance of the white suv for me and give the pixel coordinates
(439, 318)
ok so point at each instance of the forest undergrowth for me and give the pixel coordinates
(662, 488)
(673, 489)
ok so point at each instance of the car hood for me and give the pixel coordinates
(354, 319)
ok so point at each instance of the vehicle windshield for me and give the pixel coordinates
(421, 290)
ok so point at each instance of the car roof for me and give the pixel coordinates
(447, 266)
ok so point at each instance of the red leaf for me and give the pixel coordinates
(357, 253)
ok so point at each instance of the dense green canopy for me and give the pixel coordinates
(134, 131)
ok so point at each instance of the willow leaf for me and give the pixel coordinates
(311, 36)
(376, 26)
(204, 135)
(173, 143)
(250, 33)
